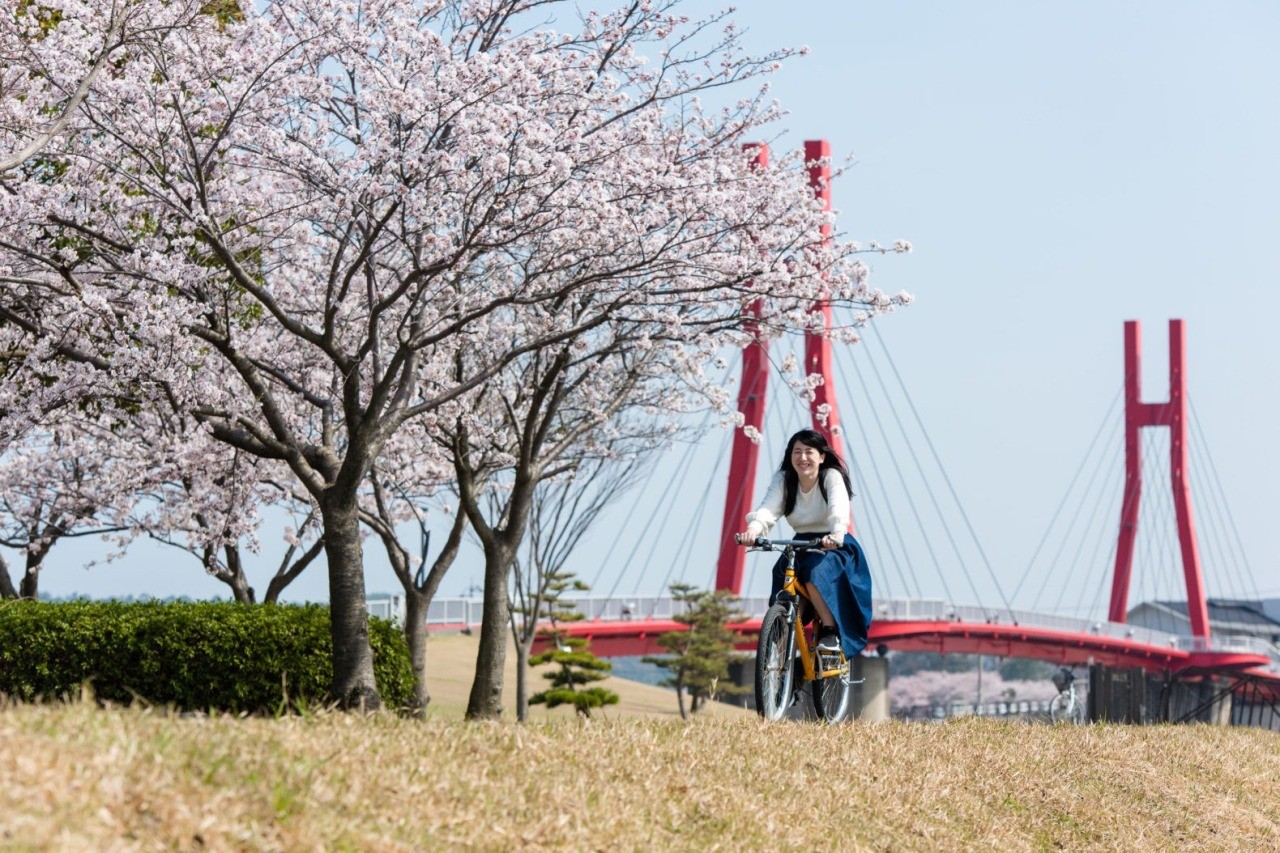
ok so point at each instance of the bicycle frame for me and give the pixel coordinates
(792, 593)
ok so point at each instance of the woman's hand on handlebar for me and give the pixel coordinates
(830, 542)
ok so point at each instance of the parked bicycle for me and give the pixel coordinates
(1066, 707)
(786, 645)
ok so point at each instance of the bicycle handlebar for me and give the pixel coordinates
(763, 544)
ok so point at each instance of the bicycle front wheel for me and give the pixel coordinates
(774, 667)
(831, 694)
(1066, 708)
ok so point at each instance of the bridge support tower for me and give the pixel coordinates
(1137, 416)
(1133, 695)
(755, 376)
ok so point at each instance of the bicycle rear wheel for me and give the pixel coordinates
(774, 667)
(831, 696)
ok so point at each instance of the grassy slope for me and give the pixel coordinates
(451, 663)
(76, 777)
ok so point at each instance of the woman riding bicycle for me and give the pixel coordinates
(812, 491)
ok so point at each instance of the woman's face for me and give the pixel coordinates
(805, 459)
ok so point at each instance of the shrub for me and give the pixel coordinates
(191, 655)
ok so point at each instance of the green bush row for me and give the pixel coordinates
(192, 655)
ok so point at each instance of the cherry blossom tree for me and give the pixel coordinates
(316, 225)
(409, 483)
(63, 481)
(210, 501)
(596, 397)
(52, 54)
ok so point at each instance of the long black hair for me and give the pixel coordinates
(791, 480)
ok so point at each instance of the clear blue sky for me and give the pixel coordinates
(1059, 168)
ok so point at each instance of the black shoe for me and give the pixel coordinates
(829, 639)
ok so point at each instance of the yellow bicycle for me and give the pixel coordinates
(786, 646)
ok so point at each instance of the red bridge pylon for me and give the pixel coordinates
(755, 380)
(1172, 414)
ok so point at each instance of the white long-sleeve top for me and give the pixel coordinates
(811, 513)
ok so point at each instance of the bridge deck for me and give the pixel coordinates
(631, 626)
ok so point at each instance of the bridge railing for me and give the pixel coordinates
(938, 610)
(467, 612)
(1239, 645)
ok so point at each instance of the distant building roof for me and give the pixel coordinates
(1231, 610)
(1271, 607)
(1225, 615)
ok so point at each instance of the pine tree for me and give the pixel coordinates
(699, 658)
(577, 665)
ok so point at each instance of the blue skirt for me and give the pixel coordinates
(844, 582)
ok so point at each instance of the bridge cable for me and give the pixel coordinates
(686, 543)
(685, 548)
(879, 539)
(1112, 510)
(1096, 522)
(902, 480)
(1210, 532)
(1126, 490)
(1175, 572)
(639, 542)
(872, 498)
(684, 467)
(772, 429)
(945, 477)
(938, 460)
(1155, 511)
(1087, 499)
(1066, 495)
(1238, 551)
(1160, 503)
(1096, 606)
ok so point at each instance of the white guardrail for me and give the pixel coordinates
(467, 612)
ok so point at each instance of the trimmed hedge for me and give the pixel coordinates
(205, 656)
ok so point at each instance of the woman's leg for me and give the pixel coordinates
(806, 563)
(824, 612)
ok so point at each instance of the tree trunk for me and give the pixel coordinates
(353, 683)
(415, 634)
(7, 589)
(240, 589)
(522, 682)
(486, 691)
(684, 715)
(29, 586)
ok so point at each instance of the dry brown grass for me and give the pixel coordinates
(452, 663)
(77, 777)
